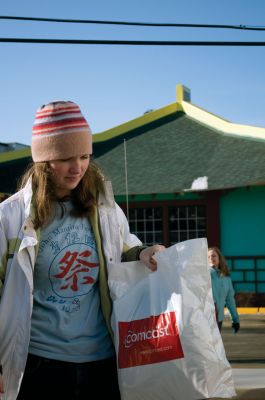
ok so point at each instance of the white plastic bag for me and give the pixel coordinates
(167, 341)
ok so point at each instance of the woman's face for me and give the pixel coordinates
(66, 174)
(213, 258)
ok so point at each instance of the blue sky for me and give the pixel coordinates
(113, 84)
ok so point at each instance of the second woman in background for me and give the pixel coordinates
(222, 287)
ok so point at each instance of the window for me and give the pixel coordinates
(147, 224)
(168, 224)
(186, 222)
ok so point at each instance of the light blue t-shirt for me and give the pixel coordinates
(67, 321)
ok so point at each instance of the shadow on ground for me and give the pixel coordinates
(246, 394)
(246, 349)
(250, 394)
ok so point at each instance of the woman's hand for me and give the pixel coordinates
(146, 256)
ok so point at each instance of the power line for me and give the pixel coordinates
(154, 24)
(133, 42)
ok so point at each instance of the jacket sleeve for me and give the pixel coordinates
(132, 254)
(129, 240)
(231, 303)
(131, 244)
(3, 252)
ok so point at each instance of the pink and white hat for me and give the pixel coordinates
(60, 131)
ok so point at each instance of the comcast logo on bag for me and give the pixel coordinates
(150, 340)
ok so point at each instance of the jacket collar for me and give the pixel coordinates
(27, 196)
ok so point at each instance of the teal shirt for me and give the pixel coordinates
(223, 295)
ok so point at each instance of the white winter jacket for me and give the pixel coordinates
(18, 251)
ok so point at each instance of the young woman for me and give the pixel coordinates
(223, 292)
(59, 235)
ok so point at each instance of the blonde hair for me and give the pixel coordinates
(83, 196)
(222, 261)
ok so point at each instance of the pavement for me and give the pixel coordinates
(245, 351)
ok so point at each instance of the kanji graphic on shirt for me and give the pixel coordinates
(70, 250)
(72, 264)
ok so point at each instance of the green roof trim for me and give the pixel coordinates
(160, 197)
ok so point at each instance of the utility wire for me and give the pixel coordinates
(132, 42)
(157, 24)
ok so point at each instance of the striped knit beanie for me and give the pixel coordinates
(59, 132)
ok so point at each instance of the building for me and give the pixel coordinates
(180, 172)
(14, 159)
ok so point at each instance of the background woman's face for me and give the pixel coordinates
(213, 258)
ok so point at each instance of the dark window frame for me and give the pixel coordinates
(211, 203)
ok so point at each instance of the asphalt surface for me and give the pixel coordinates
(245, 351)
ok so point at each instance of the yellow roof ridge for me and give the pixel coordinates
(184, 104)
(15, 154)
(135, 123)
(216, 122)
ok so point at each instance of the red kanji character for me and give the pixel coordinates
(71, 270)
